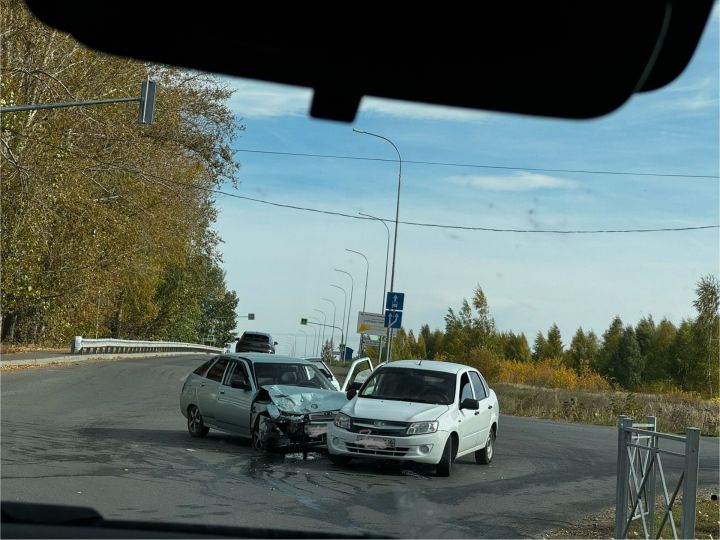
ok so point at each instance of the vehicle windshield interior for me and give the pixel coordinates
(291, 374)
(418, 386)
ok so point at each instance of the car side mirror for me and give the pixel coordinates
(275, 342)
(351, 393)
(470, 403)
(240, 385)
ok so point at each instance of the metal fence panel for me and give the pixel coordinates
(639, 466)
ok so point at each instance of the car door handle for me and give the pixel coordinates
(477, 412)
(222, 391)
(489, 406)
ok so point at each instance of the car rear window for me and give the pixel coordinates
(216, 372)
(202, 370)
(256, 337)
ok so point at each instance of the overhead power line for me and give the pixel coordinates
(166, 183)
(462, 227)
(481, 166)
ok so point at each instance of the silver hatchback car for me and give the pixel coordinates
(278, 402)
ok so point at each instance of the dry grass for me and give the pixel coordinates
(675, 413)
(20, 348)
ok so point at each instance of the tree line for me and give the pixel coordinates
(107, 225)
(647, 355)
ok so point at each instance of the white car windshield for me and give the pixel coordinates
(291, 375)
(416, 385)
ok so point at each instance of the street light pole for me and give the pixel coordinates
(387, 259)
(317, 336)
(306, 336)
(323, 330)
(352, 289)
(387, 256)
(332, 334)
(343, 323)
(397, 218)
(367, 273)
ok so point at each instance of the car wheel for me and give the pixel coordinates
(256, 442)
(339, 460)
(445, 465)
(196, 427)
(485, 455)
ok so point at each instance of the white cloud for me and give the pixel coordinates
(254, 99)
(521, 181)
(403, 109)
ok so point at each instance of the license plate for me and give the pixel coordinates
(316, 431)
(375, 442)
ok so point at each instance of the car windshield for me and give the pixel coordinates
(415, 385)
(177, 233)
(305, 375)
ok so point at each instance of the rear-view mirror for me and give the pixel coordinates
(351, 393)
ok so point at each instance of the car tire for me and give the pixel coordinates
(339, 460)
(445, 466)
(255, 437)
(485, 455)
(196, 427)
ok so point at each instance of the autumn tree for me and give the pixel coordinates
(106, 224)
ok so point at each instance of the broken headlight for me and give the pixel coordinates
(342, 420)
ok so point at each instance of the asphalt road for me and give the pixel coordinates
(110, 435)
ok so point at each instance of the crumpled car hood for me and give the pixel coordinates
(298, 400)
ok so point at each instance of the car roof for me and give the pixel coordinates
(254, 333)
(430, 365)
(265, 358)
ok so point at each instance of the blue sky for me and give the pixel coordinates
(281, 261)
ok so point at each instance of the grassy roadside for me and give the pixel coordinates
(674, 413)
(12, 348)
(602, 525)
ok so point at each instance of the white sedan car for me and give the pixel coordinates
(423, 411)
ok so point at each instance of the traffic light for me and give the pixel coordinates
(303, 321)
(251, 316)
(147, 102)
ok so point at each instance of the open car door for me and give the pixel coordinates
(358, 373)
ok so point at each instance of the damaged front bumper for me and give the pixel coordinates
(294, 418)
(291, 432)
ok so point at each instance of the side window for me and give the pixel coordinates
(216, 372)
(478, 386)
(202, 370)
(465, 388)
(237, 374)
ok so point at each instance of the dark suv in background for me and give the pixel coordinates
(256, 342)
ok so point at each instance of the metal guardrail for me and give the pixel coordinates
(639, 467)
(81, 345)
